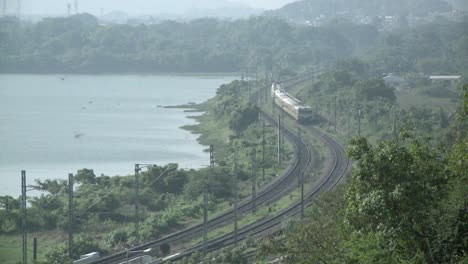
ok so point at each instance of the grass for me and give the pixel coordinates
(261, 213)
(264, 211)
(11, 246)
(211, 132)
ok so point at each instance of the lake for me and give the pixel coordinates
(52, 125)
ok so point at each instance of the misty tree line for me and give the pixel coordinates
(309, 9)
(80, 44)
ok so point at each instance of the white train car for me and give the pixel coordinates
(291, 105)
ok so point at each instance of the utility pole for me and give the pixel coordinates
(19, 8)
(359, 122)
(302, 195)
(279, 139)
(394, 128)
(23, 217)
(335, 114)
(35, 250)
(76, 6)
(263, 150)
(212, 160)
(248, 83)
(236, 195)
(254, 181)
(205, 213)
(4, 7)
(70, 216)
(68, 9)
(137, 202)
(282, 133)
(205, 216)
(259, 90)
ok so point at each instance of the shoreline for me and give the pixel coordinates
(185, 117)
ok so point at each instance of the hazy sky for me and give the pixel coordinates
(137, 6)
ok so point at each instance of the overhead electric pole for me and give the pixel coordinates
(302, 195)
(236, 195)
(4, 6)
(335, 114)
(23, 217)
(359, 122)
(19, 8)
(205, 220)
(70, 216)
(254, 180)
(68, 9)
(282, 133)
(212, 160)
(248, 84)
(263, 150)
(279, 139)
(394, 122)
(137, 202)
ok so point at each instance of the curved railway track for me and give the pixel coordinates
(270, 193)
(333, 176)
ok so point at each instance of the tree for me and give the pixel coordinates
(85, 176)
(375, 89)
(318, 239)
(51, 186)
(218, 181)
(243, 117)
(397, 195)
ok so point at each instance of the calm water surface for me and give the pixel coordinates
(53, 125)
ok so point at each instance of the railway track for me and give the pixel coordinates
(269, 194)
(272, 192)
(333, 176)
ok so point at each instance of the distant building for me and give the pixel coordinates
(445, 77)
(393, 80)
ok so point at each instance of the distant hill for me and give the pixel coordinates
(310, 9)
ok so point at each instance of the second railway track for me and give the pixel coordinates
(335, 173)
(272, 192)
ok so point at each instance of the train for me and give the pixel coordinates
(291, 105)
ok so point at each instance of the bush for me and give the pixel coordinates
(117, 237)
